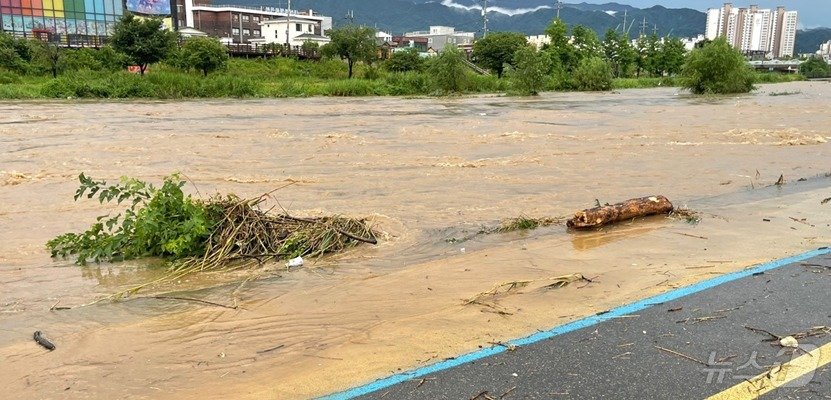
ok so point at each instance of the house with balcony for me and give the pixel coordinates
(293, 30)
(237, 24)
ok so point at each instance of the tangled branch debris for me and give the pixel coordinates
(221, 233)
(246, 235)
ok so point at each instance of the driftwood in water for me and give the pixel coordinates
(608, 214)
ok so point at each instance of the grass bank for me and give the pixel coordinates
(274, 78)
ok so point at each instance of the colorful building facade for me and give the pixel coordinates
(68, 21)
(72, 22)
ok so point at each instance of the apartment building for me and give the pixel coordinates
(754, 30)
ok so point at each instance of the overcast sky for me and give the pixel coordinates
(812, 13)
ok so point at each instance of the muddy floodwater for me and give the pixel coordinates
(429, 173)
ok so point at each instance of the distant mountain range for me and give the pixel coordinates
(526, 16)
(809, 41)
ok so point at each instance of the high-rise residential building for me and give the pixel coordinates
(753, 29)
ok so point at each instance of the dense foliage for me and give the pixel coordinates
(717, 68)
(496, 50)
(143, 41)
(449, 71)
(158, 222)
(352, 43)
(593, 74)
(531, 71)
(204, 54)
(406, 60)
(815, 67)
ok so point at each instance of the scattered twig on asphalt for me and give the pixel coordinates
(507, 392)
(682, 355)
(482, 395)
(690, 320)
(423, 381)
(773, 336)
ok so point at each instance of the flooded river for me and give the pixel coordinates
(429, 173)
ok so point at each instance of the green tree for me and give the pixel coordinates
(143, 41)
(83, 58)
(531, 72)
(585, 42)
(204, 54)
(449, 70)
(593, 74)
(672, 56)
(560, 47)
(50, 56)
(815, 67)
(110, 59)
(352, 43)
(653, 55)
(619, 52)
(717, 68)
(405, 60)
(14, 55)
(497, 49)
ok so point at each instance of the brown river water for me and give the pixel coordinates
(426, 171)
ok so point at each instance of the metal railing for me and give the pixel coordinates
(479, 70)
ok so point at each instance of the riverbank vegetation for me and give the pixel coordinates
(575, 59)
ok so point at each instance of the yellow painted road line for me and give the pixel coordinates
(778, 377)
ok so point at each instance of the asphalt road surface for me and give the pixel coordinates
(715, 340)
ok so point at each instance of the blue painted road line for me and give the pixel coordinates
(572, 326)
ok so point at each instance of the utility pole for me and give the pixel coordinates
(559, 5)
(485, 18)
(655, 29)
(643, 27)
(288, 25)
(624, 20)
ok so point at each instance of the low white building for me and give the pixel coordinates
(689, 43)
(539, 40)
(383, 36)
(294, 30)
(438, 37)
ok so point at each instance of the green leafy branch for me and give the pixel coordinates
(158, 222)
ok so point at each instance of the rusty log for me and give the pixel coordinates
(608, 214)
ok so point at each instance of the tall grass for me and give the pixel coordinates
(645, 83)
(159, 84)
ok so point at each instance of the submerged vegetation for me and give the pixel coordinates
(193, 235)
(524, 223)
